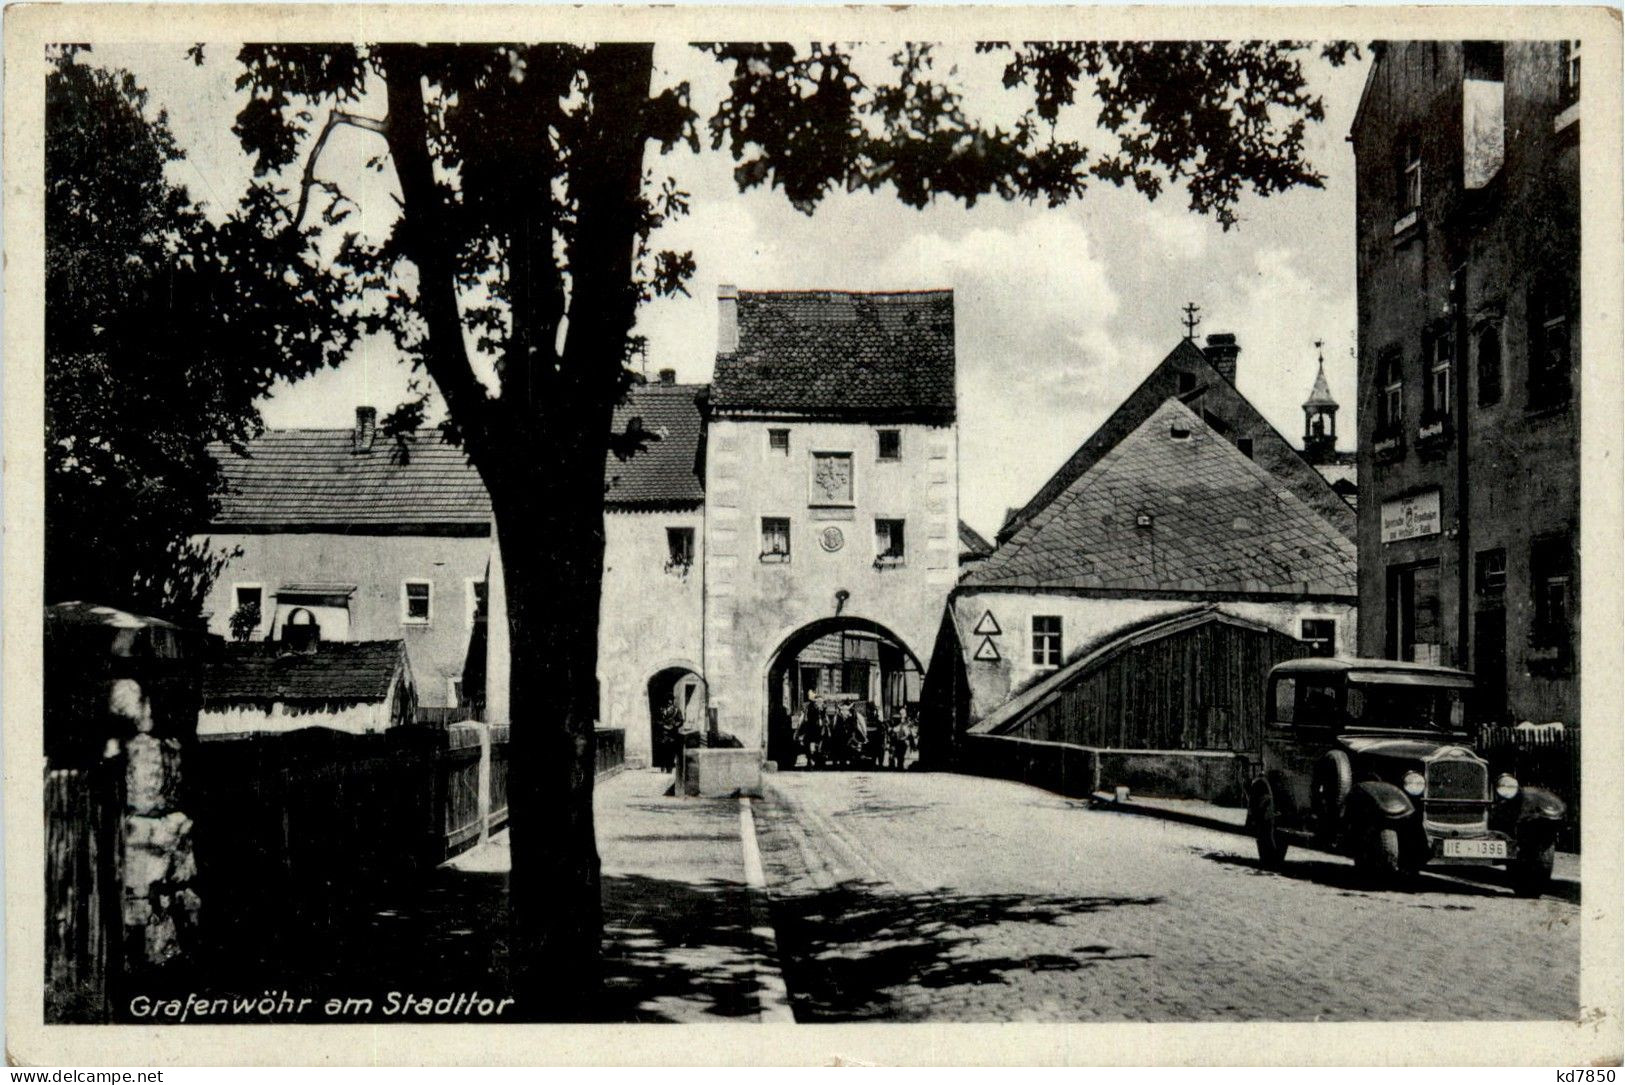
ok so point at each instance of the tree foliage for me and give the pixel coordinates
(162, 330)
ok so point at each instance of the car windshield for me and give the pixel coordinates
(1422, 708)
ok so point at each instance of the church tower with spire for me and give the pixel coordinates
(1320, 420)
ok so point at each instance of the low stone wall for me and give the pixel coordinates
(720, 773)
(1215, 776)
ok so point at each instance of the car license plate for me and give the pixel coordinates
(1475, 849)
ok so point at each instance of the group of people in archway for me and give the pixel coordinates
(853, 734)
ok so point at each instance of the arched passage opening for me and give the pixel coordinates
(830, 670)
(676, 703)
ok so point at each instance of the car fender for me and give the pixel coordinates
(1377, 799)
(1531, 804)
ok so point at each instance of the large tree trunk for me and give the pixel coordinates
(552, 544)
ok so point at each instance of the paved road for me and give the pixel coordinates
(909, 896)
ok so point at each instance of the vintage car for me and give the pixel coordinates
(1373, 759)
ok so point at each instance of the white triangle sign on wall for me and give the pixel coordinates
(988, 626)
(986, 652)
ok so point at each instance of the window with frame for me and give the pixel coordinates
(1441, 355)
(1551, 562)
(1286, 700)
(1549, 360)
(1408, 175)
(1489, 365)
(679, 548)
(248, 610)
(249, 597)
(889, 541)
(477, 601)
(417, 602)
(1321, 636)
(1490, 571)
(1046, 640)
(1569, 90)
(778, 441)
(889, 445)
(1391, 392)
(831, 482)
(776, 538)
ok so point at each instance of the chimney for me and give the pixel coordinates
(727, 319)
(668, 376)
(366, 428)
(1222, 351)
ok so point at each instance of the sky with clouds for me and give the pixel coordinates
(1059, 312)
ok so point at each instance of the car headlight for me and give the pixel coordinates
(1414, 783)
(1506, 786)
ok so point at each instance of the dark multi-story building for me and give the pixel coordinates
(1469, 302)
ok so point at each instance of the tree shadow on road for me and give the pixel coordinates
(851, 952)
(676, 950)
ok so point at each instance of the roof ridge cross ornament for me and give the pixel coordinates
(1191, 319)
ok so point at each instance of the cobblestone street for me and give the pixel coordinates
(909, 896)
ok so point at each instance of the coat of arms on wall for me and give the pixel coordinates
(831, 539)
(832, 478)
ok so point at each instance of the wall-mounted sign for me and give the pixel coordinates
(831, 539)
(1411, 517)
(986, 652)
(988, 626)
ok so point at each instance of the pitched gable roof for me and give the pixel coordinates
(338, 671)
(314, 479)
(1222, 406)
(971, 543)
(841, 354)
(667, 472)
(1219, 524)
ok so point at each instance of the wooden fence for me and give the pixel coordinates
(1543, 757)
(82, 921)
(292, 833)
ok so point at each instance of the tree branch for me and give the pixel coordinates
(334, 119)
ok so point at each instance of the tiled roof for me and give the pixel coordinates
(1219, 523)
(1223, 407)
(667, 470)
(841, 354)
(971, 543)
(310, 478)
(343, 671)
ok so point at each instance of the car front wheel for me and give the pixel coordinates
(1531, 873)
(1271, 848)
(1378, 856)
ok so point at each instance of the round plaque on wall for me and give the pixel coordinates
(831, 539)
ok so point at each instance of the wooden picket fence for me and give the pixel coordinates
(1547, 757)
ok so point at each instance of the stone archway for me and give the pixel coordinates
(678, 687)
(840, 658)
